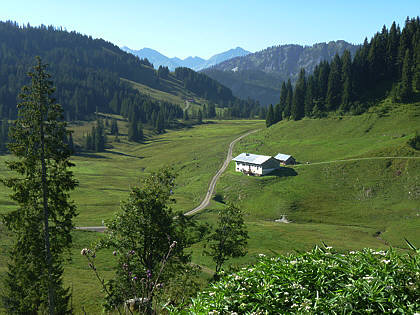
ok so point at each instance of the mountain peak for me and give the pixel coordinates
(196, 63)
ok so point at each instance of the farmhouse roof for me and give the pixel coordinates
(252, 158)
(282, 157)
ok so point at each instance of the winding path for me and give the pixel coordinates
(210, 190)
(361, 159)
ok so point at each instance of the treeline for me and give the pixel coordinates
(203, 85)
(388, 65)
(88, 75)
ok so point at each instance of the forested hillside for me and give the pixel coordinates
(259, 75)
(388, 65)
(87, 73)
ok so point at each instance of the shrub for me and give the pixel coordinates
(320, 281)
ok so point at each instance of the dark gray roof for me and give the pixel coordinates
(282, 157)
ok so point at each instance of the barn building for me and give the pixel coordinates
(254, 164)
(285, 159)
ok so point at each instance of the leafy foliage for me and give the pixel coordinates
(229, 239)
(319, 281)
(146, 236)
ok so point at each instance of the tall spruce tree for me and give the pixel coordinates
(309, 97)
(334, 84)
(277, 113)
(283, 95)
(114, 127)
(289, 100)
(405, 87)
(270, 116)
(100, 137)
(42, 222)
(298, 107)
(133, 134)
(346, 97)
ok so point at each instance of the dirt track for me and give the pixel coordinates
(210, 190)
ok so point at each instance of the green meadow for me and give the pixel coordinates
(372, 200)
(196, 153)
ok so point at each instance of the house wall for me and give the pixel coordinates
(256, 169)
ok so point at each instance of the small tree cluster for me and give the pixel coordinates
(96, 140)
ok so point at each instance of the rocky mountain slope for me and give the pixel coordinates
(259, 75)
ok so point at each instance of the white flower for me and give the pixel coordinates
(261, 255)
(386, 261)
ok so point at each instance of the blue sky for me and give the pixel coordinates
(203, 28)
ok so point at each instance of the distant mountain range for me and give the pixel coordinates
(195, 63)
(259, 75)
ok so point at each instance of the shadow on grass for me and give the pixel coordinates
(125, 154)
(91, 155)
(283, 172)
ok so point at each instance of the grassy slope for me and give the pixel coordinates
(172, 91)
(195, 153)
(344, 204)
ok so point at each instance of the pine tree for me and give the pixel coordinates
(283, 95)
(42, 222)
(324, 72)
(262, 113)
(270, 116)
(277, 113)
(346, 97)
(298, 107)
(71, 143)
(133, 134)
(309, 99)
(199, 117)
(392, 51)
(99, 136)
(4, 135)
(406, 87)
(160, 122)
(114, 127)
(334, 84)
(289, 100)
(140, 132)
(416, 64)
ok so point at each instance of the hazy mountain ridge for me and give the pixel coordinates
(255, 75)
(195, 63)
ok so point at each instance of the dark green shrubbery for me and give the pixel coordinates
(415, 141)
(320, 281)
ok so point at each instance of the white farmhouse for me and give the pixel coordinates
(254, 164)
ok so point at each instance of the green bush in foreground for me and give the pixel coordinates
(320, 281)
